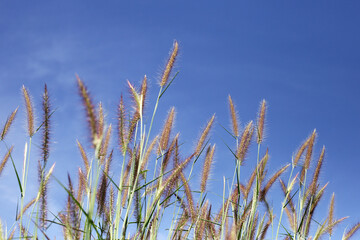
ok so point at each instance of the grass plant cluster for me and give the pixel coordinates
(154, 181)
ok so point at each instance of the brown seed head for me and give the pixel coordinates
(315, 179)
(100, 129)
(82, 185)
(46, 126)
(286, 194)
(300, 152)
(148, 152)
(135, 97)
(122, 125)
(132, 126)
(204, 135)
(175, 173)
(189, 196)
(26, 207)
(331, 214)
(143, 92)
(244, 142)
(84, 157)
(352, 231)
(250, 183)
(265, 229)
(310, 150)
(105, 144)
(29, 111)
(308, 156)
(261, 122)
(165, 134)
(5, 159)
(200, 229)
(271, 181)
(207, 166)
(169, 153)
(90, 111)
(8, 123)
(234, 118)
(42, 197)
(170, 64)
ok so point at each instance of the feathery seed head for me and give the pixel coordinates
(204, 135)
(29, 111)
(84, 157)
(165, 134)
(245, 142)
(46, 126)
(300, 152)
(148, 152)
(331, 214)
(169, 152)
(271, 181)
(170, 64)
(258, 170)
(261, 122)
(310, 149)
(90, 112)
(207, 167)
(136, 97)
(8, 123)
(131, 129)
(143, 92)
(122, 125)
(173, 175)
(5, 159)
(189, 196)
(81, 185)
(26, 207)
(315, 179)
(308, 156)
(105, 144)
(234, 118)
(352, 231)
(100, 126)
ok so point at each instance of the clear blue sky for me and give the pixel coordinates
(303, 58)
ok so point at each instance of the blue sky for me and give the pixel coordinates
(302, 57)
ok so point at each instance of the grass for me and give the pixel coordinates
(155, 182)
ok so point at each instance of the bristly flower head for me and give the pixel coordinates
(90, 111)
(261, 122)
(29, 111)
(165, 134)
(170, 64)
(46, 125)
(234, 118)
(204, 135)
(245, 142)
(207, 167)
(8, 123)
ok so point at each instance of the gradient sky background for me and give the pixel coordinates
(303, 58)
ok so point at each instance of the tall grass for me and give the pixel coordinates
(154, 188)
